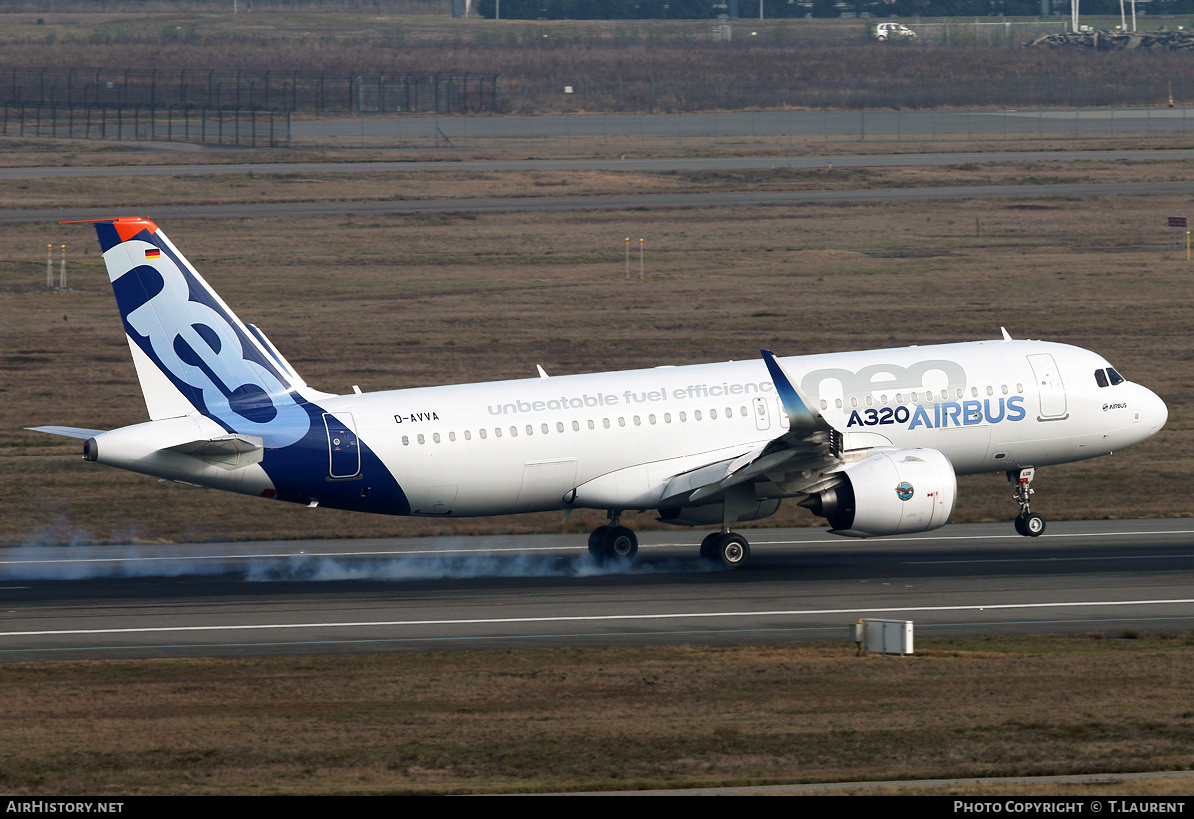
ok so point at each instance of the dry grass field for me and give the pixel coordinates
(397, 301)
(616, 719)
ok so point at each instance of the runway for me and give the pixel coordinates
(511, 204)
(629, 201)
(807, 125)
(436, 594)
(613, 163)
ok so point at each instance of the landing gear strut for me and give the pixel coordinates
(613, 543)
(1028, 523)
(725, 548)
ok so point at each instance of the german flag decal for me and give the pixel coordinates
(153, 253)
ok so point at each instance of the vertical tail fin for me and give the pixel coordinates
(191, 351)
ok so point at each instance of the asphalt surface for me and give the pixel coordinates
(603, 202)
(747, 126)
(603, 164)
(329, 597)
(166, 213)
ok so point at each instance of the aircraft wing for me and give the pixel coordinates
(800, 461)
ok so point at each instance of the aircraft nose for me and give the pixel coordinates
(1158, 413)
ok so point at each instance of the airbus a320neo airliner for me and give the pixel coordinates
(872, 441)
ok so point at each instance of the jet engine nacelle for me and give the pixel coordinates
(891, 493)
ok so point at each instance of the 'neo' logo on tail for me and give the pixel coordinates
(174, 318)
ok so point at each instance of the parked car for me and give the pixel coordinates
(893, 31)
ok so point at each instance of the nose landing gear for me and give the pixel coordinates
(1028, 523)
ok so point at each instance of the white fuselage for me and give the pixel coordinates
(613, 440)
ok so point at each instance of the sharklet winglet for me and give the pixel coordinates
(799, 414)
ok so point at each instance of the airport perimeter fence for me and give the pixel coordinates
(246, 127)
(258, 109)
(275, 128)
(226, 107)
(318, 93)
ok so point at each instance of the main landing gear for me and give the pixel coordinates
(616, 543)
(613, 543)
(1028, 523)
(726, 548)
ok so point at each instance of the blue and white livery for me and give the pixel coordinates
(872, 441)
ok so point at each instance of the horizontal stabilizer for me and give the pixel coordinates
(69, 432)
(228, 450)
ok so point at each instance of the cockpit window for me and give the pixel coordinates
(1116, 378)
(1101, 378)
